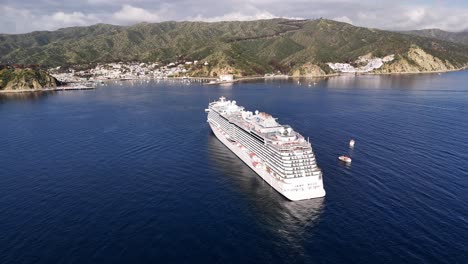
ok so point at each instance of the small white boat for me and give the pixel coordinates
(345, 159)
(351, 143)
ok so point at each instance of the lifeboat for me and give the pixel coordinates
(345, 159)
(254, 157)
(257, 165)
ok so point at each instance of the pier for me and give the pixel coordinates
(69, 88)
(59, 88)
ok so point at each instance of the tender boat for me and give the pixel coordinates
(345, 159)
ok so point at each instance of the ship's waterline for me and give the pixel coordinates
(278, 154)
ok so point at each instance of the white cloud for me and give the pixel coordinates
(131, 14)
(416, 15)
(14, 20)
(343, 19)
(19, 21)
(71, 19)
(367, 15)
(243, 13)
(112, 2)
(235, 16)
(28, 15)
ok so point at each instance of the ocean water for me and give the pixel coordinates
(131, 173)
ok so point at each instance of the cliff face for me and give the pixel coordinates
(19, 79)
(308, 70)
(416, 60)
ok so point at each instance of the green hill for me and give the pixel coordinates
(19, 79)
(457, 37)
(242, 48)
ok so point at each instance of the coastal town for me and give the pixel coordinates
(363, 64)
(138, 70)
(87, 76)
(83, 77)
(125, 71)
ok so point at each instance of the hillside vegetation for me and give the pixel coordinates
(242, 48)
(19, 79)
(457, 37)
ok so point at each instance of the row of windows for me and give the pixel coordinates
(258, 148)
(291, 164)
(272, 159)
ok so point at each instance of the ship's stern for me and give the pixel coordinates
(303, 188)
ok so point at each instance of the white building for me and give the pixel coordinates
(226, 77)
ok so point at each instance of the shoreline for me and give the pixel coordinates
(50, 89)
(240, 79)
(423, 72)
(252, 78)
(379, 73)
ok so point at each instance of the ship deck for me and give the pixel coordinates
(269, 137)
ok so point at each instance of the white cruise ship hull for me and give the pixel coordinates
(293, 189)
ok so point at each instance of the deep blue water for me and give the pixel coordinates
(131, 173)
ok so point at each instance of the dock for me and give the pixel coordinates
(79, 87)
(59, 88)
(219, 82)
(240, 79)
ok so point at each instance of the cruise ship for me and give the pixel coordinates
(277, 153)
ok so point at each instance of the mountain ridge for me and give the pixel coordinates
(457, 37)
(242, 48)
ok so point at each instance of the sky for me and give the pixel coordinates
(22, 16)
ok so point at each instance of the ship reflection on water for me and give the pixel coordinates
(290, 220)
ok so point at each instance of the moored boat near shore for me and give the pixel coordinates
(345, 159)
